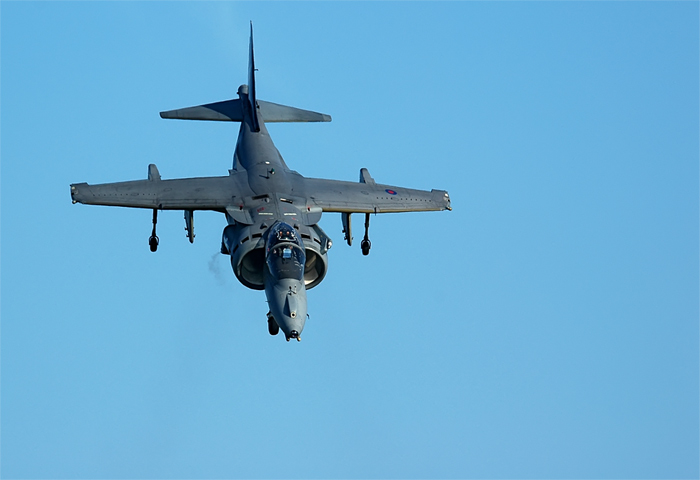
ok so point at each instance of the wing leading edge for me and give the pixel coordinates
(351, 197)
(205, 193)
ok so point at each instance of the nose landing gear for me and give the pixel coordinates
(272, 326)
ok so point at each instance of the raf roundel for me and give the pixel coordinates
(390, 192)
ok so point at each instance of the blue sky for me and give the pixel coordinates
(545, 328)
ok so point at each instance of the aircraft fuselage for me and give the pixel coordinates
(270, 178)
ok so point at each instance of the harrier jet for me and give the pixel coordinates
(272, 212)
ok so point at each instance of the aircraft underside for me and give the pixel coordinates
(272, 234)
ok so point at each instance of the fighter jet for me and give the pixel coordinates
(272, 212)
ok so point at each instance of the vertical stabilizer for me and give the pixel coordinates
(251, 84)
(235, 110)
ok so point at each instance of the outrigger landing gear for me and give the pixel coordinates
(153, 239)
(366, 244)
(272, 326)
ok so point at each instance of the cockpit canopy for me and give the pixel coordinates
(285, 257)
(282, 233)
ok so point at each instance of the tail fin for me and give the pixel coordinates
(232, 110)
(251, 83)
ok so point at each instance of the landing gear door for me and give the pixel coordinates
(189, 224)
(347, 228)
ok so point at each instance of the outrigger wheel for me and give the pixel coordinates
(365, 245)
(153, 239)
(153, 243)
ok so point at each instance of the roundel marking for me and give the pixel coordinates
(390, 192)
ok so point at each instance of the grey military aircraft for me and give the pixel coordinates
(272, 236)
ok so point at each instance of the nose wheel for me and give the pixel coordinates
(153, 239)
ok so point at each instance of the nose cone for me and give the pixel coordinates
(287, 301)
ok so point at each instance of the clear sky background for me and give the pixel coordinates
(545, 328)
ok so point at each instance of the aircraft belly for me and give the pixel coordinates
(254, 148)
(268, 178)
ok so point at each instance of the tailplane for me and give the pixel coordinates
(232, 110)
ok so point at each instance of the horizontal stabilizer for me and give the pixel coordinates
(273, 112)
(231, 111)
(227, 111)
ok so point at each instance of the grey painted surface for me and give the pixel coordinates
(259, 193)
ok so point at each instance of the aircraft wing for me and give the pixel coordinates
(351, 197)
(205, 193)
